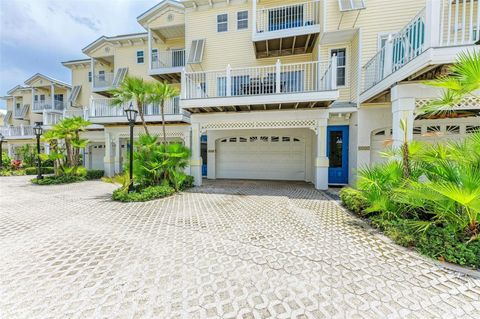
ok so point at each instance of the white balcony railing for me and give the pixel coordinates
(168, 59)
(285, 17)
(448, 23)
(75, 113)
(103, 107)
(47, 105)
(103, 80)
(263, 80)
(52, 118)
(17, 131)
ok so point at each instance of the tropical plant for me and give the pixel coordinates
(28, 155)
(159, 93)
(133, 89)
(463, 79)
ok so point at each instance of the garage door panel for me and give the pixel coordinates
(261, 158)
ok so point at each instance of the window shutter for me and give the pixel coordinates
(196, 51)
(350, 5)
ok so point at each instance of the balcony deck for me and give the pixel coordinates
(102, 111)
(17, 132)
(287, 29)
(432, 39)
(278, 86)
(167, 65)
(47, 105)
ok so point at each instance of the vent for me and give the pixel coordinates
(196, 51)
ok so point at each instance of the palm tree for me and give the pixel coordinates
(133, 88)
(463, 80)
(160, 92)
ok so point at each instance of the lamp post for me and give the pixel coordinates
(1, 151)
(38, 130)
(131, 117)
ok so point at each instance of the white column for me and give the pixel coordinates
(52, 96)
(108, 160)
(10, 150)
(403, 110)
(387, 59)
(278, 72)
(211, 150)
(432, 23)
(321, 161)
(149, 54)
(254, 17)
(92, 71)
(196, 160)
(334, 72)
(228, 84)
(118, 155)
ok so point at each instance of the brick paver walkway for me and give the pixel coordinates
(226, 250)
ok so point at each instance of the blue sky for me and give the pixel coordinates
(37, 35)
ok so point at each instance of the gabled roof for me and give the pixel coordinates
(105, 39)
(154, 10)
(12, 90)
(71, 63)
(39, 75)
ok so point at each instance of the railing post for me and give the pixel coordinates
(333, 75)
(22, 130)
(183, 85)
(228, 81)
(432, 23)
(387, 60)
(278, 73)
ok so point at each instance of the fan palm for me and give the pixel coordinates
(133, 89)
(159, 93)
(463, 80)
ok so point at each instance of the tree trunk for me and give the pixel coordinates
(163, 121)
(405, 160)
(142, 117)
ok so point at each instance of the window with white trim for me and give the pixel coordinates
(341, 65)
(242, 20)
(101, 75)
(140, 57)
(154, 55)
(222, 22)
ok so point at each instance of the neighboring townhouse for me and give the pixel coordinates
(41, 99)
(282, 90)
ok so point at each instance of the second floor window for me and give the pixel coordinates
(154, 55)
(341, 65)
(222, 23)
(101, 75)
(58, 97)
(242, 20)
(140, 57)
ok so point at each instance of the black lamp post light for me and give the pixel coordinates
(132, 118)
(1, 151)
(38, 130)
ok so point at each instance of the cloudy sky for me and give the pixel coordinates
(37, 35)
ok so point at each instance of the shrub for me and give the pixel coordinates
(146, 194)
(9, 172)
(33, 170)
(187, 182)
(6, 160)
(94, 174)
(353, 200)
(53, 180)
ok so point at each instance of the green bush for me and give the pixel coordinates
(9, 172)
(33, 170)
(353, 200)
(63, 179)
(94, 174)
(146, 194)
(187, 182)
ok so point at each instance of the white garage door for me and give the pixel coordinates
(261, 157)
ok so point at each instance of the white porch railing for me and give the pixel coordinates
(262, 80)
(442, 23)
(103, 80)
(168, 59)
(17, 131)
(103, 107)
(46, 105)
(288, 16)
(75, 113)
(52, 118)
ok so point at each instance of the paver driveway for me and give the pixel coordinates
(225, 250)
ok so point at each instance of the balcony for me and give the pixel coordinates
(433, 38)
(17, 132)
(278, 86)
(47, 105)
(102, 83)
(287, 29)
(167, 65)
(102, 111)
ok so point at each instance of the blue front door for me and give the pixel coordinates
(337, 152)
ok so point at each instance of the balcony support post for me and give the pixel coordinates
(254, 17)
(278, 73)
(387, 59)
(118, 155)
(52, 97)
(229, 81)
(149, 54)
(321, 161)
(196, 159)
(432, 24)
(334, 72)
(92, 71)
(403, 110)
(183, 85)
(108, 160)
(22, 130)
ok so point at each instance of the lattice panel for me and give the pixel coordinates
(261, 124)
(158, 132)
(468, 103)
